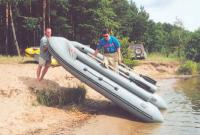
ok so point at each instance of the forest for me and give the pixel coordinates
(22, 24)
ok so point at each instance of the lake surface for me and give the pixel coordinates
(183, 114)
(181, 118)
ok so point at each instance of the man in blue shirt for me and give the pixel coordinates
(111, 47)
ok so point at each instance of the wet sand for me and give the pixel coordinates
(122, 124)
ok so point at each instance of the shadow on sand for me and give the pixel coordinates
(103, 107)
(64, 98)
(29, 62)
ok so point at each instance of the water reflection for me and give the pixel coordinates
(183, 114)
(191, 88)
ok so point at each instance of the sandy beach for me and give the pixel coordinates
(21, 115)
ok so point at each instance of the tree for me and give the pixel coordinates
(124, 14)
(178, 32)
(149, 37)
(13, 30)
(9, 12)
(6, 40)
(44, 15)
(192, 49)
(139, 26)
(83, 21)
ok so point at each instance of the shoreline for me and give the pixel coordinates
(19, 105)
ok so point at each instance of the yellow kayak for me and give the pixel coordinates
(34, 52)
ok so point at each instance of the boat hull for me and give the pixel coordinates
(68, 56)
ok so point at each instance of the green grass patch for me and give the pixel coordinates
(158, 57)
(61, 97)
(189, 68)
(130, 63)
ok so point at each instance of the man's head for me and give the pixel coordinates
(105, 34)
(48, 32)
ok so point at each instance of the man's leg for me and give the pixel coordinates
(113, 61)
(105, 63)
(116, 60)
(39, 68)
(45, 69)
(42, 64)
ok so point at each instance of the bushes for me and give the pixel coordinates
(198, 67)
(127, 53)
(189, 68)
(130, 63)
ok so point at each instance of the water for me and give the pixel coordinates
(181, 118)
(183, 114)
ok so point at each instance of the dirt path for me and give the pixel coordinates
(20, 115)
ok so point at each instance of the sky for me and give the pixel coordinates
(188, 11)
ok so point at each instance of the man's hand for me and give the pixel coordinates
(94, 55)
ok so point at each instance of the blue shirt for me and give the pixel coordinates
(109, 46)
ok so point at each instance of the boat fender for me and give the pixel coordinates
(85, 69)
(141, 84)
(116, 88)
(100, 78)
(148, 79)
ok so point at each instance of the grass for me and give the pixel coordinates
(186, 67)
(160, 58)
(13, 59)
(189, 68)
(60, 97)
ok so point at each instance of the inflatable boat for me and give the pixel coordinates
(143, 81)
(75, 59)
(127, 79)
